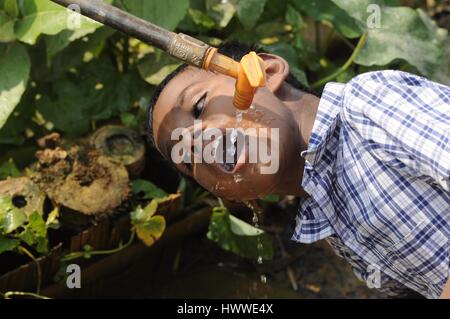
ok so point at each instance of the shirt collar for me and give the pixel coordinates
(324, 124)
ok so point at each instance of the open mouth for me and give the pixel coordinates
(229, 150)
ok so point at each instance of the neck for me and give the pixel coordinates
(303, 107)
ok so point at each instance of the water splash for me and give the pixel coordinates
(231, 149)
(253, 205)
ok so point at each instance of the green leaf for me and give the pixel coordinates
(154, 68)
(9, 169)
(167, 13)
(14, 70)
(249, 12)
(142, 215)
(6, 27)
(147, 190)
(149, 228)
(37, 224)
(97, 92)
(60, 41)
(152, 230)
(326, 10)
(46, 17)
(285, 51)
(238, 237)
(272, 198)
(11, 217)
(402, 35)
(8, 244)
(10, 7)
(35, 233)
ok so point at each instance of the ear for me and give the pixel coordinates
(277, 70)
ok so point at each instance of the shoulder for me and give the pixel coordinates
(396, 95)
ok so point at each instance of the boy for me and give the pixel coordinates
(370, 160)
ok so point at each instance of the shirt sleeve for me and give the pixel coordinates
(409, 122)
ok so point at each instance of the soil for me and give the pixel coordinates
(82, 179)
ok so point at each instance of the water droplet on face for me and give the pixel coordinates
(238, 178)
(239, 115)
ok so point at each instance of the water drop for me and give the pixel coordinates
(263, 279)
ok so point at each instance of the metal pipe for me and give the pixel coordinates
(180, 46)
(121, 20)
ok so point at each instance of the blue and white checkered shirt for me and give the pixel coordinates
(377, 169)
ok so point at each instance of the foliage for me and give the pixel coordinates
(16, 228)
(238, 237)
(149, 228)
(146, 190)
(9, 169)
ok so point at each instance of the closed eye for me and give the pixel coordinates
(199, 106)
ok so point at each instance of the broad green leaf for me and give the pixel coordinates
(155, 67)
(167, 13)
(11, 217)
(402, 35)
(8, 244)
(46, 17)
(6, 27)
(14, 70)
(10, 7)
(147, 190)
(60, 41)
(8, 169)
(249, 12)
(285, 51)
(326, 10)
(152, 230)
(98, 91)
(238, 237)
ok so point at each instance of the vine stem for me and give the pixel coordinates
(38, 267)
(80, 254)
(345, 67)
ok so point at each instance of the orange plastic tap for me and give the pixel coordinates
(250, 75)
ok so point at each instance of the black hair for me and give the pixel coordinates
(233, 50)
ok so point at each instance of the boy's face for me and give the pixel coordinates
(195, 94)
